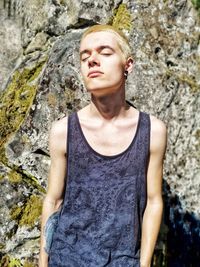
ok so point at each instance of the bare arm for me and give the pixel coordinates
(153, 212)
(56, 180)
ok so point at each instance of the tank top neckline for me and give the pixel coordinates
(115, 155)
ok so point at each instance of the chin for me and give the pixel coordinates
(93, 90)
(101, 92)
(97, 87)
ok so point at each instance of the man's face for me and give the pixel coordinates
(102, 62)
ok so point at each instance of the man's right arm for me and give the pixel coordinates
(56, 180)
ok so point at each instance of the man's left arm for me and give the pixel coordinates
(154, 208)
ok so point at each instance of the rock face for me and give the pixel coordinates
(41, 82)
(11, 45)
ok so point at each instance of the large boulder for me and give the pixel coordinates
(45, 85)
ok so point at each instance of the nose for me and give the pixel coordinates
(93, 60)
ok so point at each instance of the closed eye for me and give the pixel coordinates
(106, 52)
(84, 58)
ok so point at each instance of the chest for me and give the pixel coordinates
(109, 139)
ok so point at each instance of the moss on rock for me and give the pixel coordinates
(28, 264)
(196, 4)
(16, 212)
(1, 177)
(185, 78)
(15, 103)
(32, 211)
(14, 263)
(29, 213)
(122, 18)
(31, 180)
(16, 100)
(3, 157)
(8, 261)
(14, 177)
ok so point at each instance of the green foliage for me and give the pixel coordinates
(196, 3)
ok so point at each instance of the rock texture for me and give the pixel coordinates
(11, 45)
(40, 81)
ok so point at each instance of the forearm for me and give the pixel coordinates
(150, 229)
(49, 207)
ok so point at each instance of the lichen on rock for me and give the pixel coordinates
(28, 213)
(165, 83)
(196, 3)
(14, 177)
(8, 261)
(16, 100)
(122, 18)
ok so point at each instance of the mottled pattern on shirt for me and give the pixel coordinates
(105, 198)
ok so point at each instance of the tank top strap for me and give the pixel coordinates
(143, 138)
(72, 134)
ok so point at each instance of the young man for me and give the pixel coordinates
(110, 186)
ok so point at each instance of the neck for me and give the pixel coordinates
(109, 106)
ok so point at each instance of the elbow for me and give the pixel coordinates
(156, 203)
(54, 202)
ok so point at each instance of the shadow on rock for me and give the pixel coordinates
(182, 235)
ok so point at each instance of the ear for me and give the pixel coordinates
(129, 64)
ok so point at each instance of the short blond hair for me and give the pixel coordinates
(121, 38)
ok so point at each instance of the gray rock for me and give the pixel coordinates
(165, 83)
(11, 44)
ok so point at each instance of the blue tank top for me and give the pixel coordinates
(105, 197)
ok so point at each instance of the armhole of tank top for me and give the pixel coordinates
(67, 143)
(147, 154)
(148, 140)
(67, 137)
(67, 158)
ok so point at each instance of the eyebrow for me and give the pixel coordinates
(101, 47)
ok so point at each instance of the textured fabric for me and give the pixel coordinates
(105, 198)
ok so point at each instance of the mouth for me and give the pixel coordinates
(95, 73)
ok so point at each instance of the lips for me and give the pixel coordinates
(94, 73)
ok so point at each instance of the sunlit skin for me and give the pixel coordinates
(108, 123)
(102, 63)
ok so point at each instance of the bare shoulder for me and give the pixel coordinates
(58, 135)
(158, 134)
(157, 126)
(59, 127)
